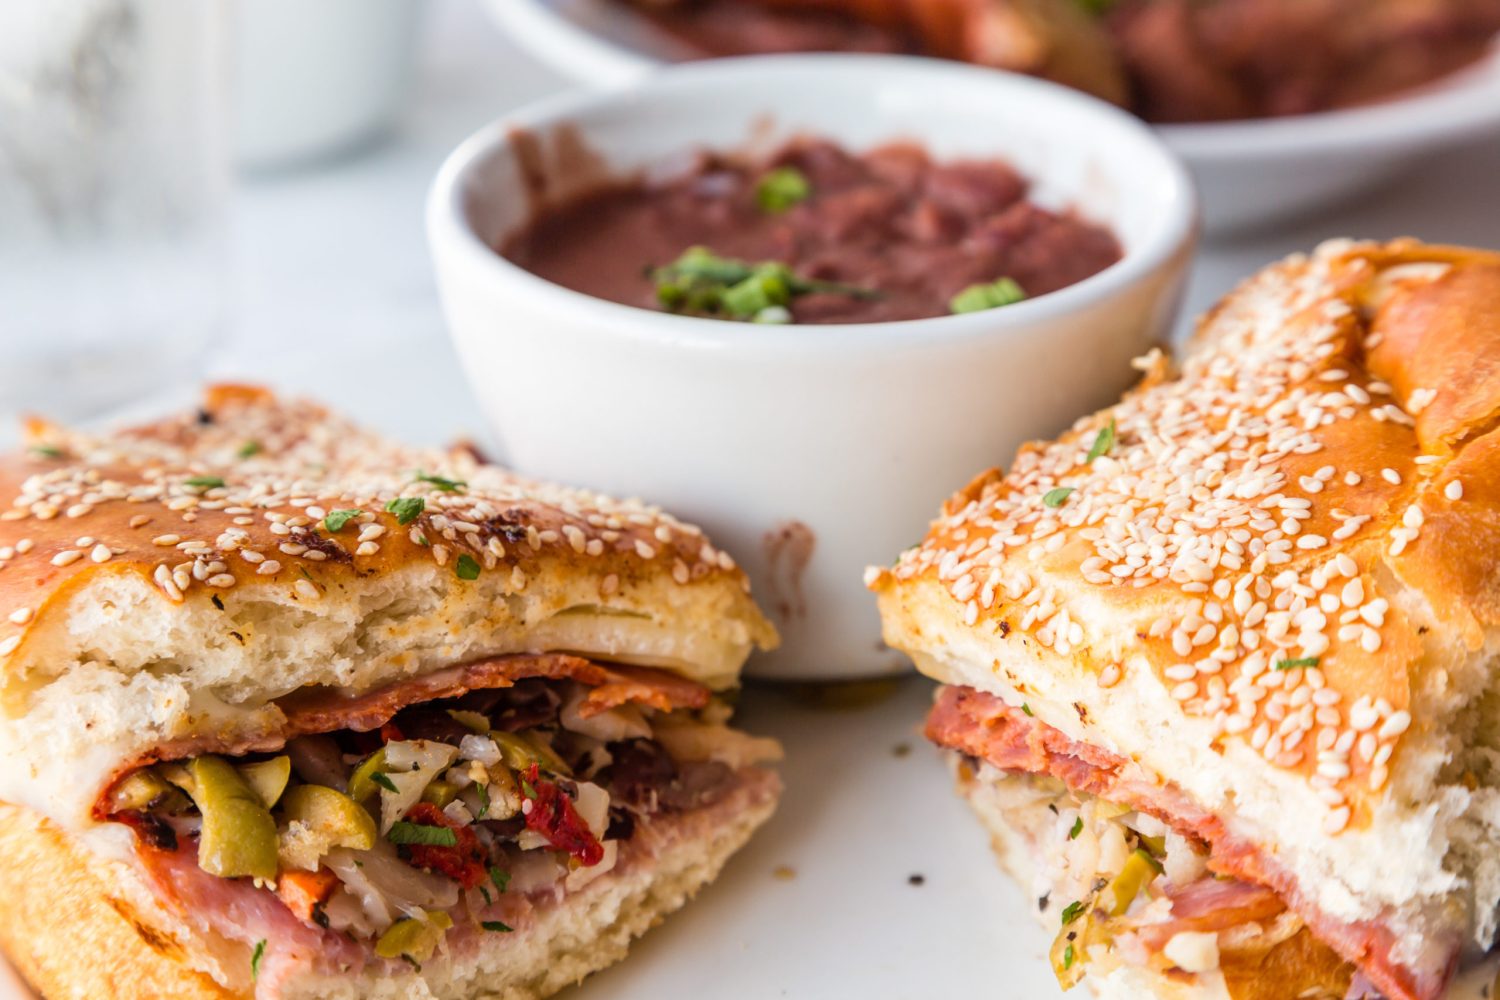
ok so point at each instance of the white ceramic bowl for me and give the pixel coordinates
(855, 432)
(1249, 173)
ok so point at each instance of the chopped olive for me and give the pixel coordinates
(337, 819)
(238, 836)
(474, 722)
(413, 939)
(362, 783)
(268, 778)
(440, 793)
(1140, 869)
(138, 791)
(521, 750)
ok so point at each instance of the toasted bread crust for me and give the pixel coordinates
(72, 935)
(1270, 580)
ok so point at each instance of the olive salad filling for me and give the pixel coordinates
(389, 836)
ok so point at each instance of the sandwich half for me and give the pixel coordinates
(1219, 662)
(289, 711)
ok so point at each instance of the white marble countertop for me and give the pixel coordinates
(333, 295)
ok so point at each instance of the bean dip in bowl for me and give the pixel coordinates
(807, 443)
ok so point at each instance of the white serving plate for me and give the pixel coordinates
(1250, 173)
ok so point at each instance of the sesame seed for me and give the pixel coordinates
(67, 557)
(1454, 490)
(1394, 726)
(100, 553)
(164, 580)
(220, 580)
(9, 645)
(268, 567)
(20, 616)
(1391, 476)
(643, 550)
(305, 589)
(1336, 820)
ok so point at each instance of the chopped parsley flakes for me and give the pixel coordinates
(1104, 441)
(422, 834)
(406, 509)
(336, 519)
(446, 485)
(1056, 498)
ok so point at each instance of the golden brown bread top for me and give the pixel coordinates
(1330, 442)
(255, 489)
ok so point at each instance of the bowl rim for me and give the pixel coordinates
(1463, 103)
(1460, 104)
(1172, 234)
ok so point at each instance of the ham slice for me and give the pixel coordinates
(1210, 905)
(980, 725)
(308, 712)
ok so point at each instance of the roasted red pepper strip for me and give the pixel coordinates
(550, 813)
(464, 862)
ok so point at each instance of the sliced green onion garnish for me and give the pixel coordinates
(978, 298)
(781, 189)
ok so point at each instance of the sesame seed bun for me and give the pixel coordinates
(1268, 581)
(177, 579)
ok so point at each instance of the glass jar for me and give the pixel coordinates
(114, 182)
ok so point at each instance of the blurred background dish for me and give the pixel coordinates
(802, 448)
(1275, 115)
(315, 79)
